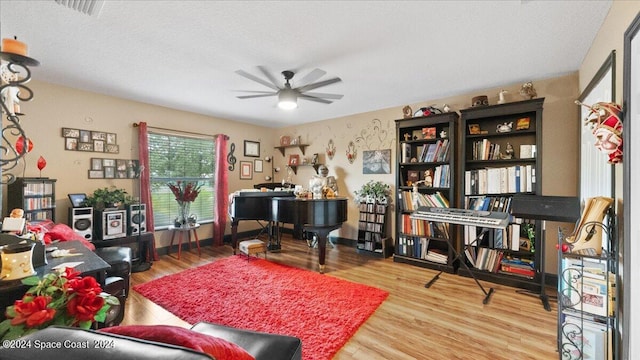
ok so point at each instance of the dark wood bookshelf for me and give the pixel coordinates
(412, 157)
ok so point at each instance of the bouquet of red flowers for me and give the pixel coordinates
(185, 191)
(58, 299)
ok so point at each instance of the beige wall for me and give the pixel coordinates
(376, 130)
(55, 107)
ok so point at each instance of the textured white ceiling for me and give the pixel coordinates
(184, 54)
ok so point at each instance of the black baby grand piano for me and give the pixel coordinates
(320, 216)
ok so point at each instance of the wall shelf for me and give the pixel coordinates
(295, 167)
(302, 148)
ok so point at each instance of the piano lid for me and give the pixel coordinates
(264, 193)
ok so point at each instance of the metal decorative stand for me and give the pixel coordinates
(583, 316)
(14, 74)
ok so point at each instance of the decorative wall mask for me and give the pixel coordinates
(351, 152)
(331, 149)
(605, 120)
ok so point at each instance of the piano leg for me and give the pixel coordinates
(322, 233)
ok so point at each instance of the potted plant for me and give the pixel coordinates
(373, 191)
(108, 197)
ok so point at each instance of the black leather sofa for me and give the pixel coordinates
(262, 346)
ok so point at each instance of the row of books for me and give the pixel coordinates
(38, 203)
(434, 152)
(418, 247)
(511, 179)
(588, 286)
(423, 227)
(486, 150)
(497, 261)
(371, 237)
(371, 217)
(371, 207)
(410, 201)
(488, 203)
(585, 338)
(517, 236)
(38, 189)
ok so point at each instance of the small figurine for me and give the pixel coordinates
(528, 91)
(501, 99)
(428, 178)
(443, 134)
(504, 127)
(407, 112)
(508, 152)
(446, 108)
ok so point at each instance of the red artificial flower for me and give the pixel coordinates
(85, 307)
(34, 312)
(84, 286)
(185, 191)
(70, 273)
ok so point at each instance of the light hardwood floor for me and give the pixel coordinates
(447, 321)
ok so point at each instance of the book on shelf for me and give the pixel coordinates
(510, 179)
(588, 294)
(585, 339)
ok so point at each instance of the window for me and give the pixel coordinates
(175, 158)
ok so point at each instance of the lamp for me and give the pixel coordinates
(287, 98)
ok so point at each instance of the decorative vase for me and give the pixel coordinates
(183, 213)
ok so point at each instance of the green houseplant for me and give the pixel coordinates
(373, 191)
(108, 197)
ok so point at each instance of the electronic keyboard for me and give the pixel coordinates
(490, 219)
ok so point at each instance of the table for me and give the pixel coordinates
(181, 230)
(92, 265)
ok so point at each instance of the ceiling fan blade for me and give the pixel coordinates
(257, 79)
(313, 98)
(323, 95)
(312, 76)
(318, 84)
(255, 96)
(270, 77)
(257, 92)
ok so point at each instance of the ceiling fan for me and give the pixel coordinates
(288, 96)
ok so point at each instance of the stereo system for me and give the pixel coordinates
(81, 221)
(111, 224)
(136, 219)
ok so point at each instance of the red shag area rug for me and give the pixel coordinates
(321, 310)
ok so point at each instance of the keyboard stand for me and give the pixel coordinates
(487, 294)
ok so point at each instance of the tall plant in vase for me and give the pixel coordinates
(185, 193)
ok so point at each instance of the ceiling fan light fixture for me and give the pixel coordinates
(287, 99)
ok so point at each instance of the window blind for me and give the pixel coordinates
(185, 158)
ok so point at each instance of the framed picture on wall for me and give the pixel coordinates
(251, 148)
(70, 133)
(109, 172)
(96, 164)
(71, 143)
(246, 170)
(96, 174)
(257, 165)
(294, 160)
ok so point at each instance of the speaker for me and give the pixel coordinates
(81, 221)
(552, 208)
(110, 224)
(136, 219)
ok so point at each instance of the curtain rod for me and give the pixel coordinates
(182, 131)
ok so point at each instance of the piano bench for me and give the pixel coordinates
(253, 247)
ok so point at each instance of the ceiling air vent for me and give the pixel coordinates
(89, 7)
